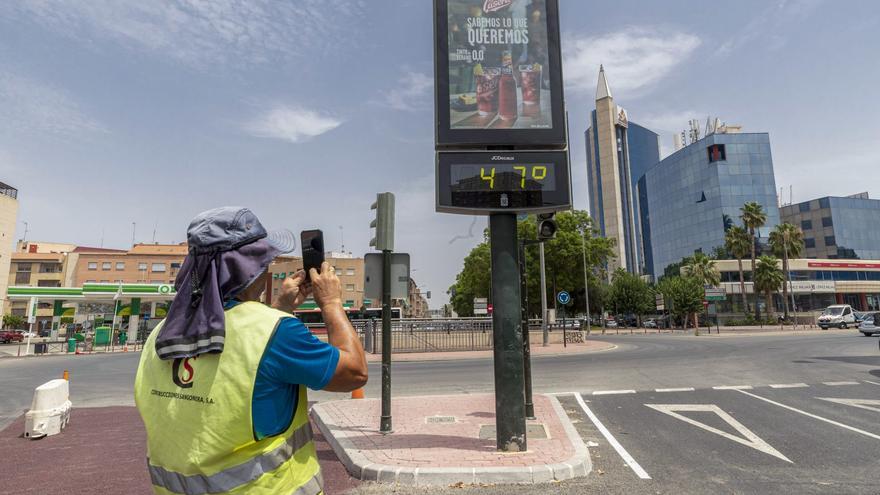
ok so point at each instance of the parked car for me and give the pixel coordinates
(650, 323)
(839, 315)
(870, 324)
(7, 337)
(611, 324)
(28, 334)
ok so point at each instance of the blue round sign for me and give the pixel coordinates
(563, 297)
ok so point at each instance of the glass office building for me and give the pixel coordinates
(695, 194)
(838, 228)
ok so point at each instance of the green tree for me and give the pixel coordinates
(786, 241)
(753, 218)
(738, 244)
(683, 296)
(768, 278)
(630, 294)
(13, 322)
(702, 268)
(473, 281)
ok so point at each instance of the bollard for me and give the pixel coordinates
(66, 375)
(357, 394)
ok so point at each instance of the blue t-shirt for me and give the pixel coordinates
(293, 357)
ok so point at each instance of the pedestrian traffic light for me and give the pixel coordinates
(547, 226)
(384, 222)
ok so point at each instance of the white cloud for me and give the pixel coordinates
(411, 93)
(291, 123)
(770, 25)
(635, 58)
(203, 33)
(29, 105)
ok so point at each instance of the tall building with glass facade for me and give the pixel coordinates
(692, 196)
(838, 228)
(618, 154)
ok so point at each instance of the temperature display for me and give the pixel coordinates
(503, 177)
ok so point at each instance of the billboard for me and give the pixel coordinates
(498, 69)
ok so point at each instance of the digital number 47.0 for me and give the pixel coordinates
(538, 172)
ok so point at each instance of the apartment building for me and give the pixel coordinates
(143, 263)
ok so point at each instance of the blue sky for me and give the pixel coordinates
(113, 112)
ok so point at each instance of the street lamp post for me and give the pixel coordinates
(586, 280)
(785, 237)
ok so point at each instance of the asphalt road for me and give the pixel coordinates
(776, 431)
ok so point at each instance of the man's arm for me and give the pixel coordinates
(351, 370)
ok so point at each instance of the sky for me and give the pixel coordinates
(120, 112)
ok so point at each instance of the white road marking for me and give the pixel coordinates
(640, 472)
(873, 383)
(805, 413)
(613, 392)
(684, 389)
(837, 384)
(788, 385)
(869, 404)
(752, 440)
(733, 387)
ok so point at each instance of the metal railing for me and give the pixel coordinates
(428, 335)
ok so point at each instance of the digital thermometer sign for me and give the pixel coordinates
(482, 183)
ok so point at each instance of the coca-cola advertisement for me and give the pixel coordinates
(499, 65)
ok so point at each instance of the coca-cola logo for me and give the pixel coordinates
(495, 5)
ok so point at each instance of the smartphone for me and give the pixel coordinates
(313, 249)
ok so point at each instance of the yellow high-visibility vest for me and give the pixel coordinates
(197, 412)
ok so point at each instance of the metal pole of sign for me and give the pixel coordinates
(385, 421)
(544, 329)
(507, 335)
(586, 280)
(527, 346)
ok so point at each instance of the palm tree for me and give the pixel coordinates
(702, 268)
(753, 217)
(737, 242)
(768, 278)
(786, 241)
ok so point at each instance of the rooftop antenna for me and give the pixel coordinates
(133, 228)
(24, 239)
(155, 226)
(102, 236)
(791, 194)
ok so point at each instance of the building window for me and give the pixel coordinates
(49, 283)
(830, 241)
(804, 207)
(717, 153)
(175, 266)
(349, 302)
(349, 287)
(22, 278)
(120, 265)
(106, 265)
(827, 222)
(807, 225)
(142, 267)
(158, 267)
(50, 268)
(349, 271)
(824, 203)
(810, 243)
(93, 265)
(90, 281)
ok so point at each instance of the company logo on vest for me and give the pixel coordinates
(183, 378)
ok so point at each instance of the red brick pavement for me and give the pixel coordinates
(416, 443)
(103, 450)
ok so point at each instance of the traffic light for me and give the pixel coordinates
(547, 226)
(384, 222)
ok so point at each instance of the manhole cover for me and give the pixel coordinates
(536, 431)
(440, 419)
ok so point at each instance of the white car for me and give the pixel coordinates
(28, 335)
(840, 316)
(870, 325)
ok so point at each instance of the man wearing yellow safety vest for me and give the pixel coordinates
(221, 385)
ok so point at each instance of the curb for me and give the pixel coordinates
(361, 468)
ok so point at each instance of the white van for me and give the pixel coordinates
(840, 316)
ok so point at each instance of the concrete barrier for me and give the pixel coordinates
(50, 410)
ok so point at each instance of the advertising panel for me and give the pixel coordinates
(498, 69)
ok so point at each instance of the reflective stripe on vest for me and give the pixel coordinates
(229, 479)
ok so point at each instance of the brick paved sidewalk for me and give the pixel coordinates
(103, 451)
(448, 449)
(536, 349)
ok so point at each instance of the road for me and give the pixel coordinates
(784, 413)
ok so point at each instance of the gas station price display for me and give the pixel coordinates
(516, 181)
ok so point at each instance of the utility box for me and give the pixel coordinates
(50, 410)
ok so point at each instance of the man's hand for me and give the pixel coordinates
(326, 286)
(294, 291)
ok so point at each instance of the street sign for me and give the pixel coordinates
(481, 306)
(660, 302)
(705, 304)
(563, 297)
(716, 294)
(32, 310)
(484, 182)
(373, 276)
